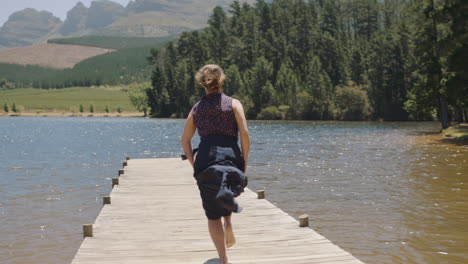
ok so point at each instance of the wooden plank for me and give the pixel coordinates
(156, 217)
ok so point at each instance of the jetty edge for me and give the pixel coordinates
(154, 215)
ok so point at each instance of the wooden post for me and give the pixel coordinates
(106, 200)
(128, 158)
(115, 181)
(261, 194)
(304, 220)
(87, 230)
(121, 171)
(125, 163)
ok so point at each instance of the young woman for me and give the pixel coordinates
(220, 120)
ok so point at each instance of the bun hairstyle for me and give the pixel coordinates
(211, 77)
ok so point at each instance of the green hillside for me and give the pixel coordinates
(125, 66)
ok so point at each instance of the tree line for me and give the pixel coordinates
(322, 60)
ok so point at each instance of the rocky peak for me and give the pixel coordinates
(104, 12)
(140, 6)
(25, 27)
(76, 20)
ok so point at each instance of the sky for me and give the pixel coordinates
(58, 7)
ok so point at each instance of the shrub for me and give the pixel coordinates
(352, 102)
(73, 109)
(270, 113)
(139, 97)
(91, 108)
(19, 109)
(284, 109)
(5, 108)
(81, 108)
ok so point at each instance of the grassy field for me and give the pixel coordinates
(68, 99)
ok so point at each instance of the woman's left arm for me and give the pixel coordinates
(186, 139)
(243, 130)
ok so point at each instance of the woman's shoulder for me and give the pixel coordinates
(231, 99)
(235, 102)
(194, 107)
(227, 96)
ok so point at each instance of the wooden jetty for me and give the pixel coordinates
(154, 215)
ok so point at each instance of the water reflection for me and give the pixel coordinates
(437, 216)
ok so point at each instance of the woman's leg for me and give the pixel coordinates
(217, 235)
(230, 238)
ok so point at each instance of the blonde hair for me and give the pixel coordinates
(214, 74)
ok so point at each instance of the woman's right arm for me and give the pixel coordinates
(243, 130)
(186, 139)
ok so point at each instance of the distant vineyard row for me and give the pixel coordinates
(110, 42)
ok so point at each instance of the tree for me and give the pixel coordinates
(234, 83)
(218, 34)
(330, 23)
(366, 14)
(5, 108)
(429, 88)
(257, 78)
(139, 97)
(158, 96)
(456, 75)
(292, 54)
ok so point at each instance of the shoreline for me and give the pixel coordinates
(457, 132)
(40, 113)
(454, 135)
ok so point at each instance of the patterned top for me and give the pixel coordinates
(213, 114)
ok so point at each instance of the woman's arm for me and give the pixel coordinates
(243, 129)
(186, 139)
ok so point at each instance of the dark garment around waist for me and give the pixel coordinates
(218, 150)
(218, 170)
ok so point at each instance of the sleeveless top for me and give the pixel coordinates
(213, 115)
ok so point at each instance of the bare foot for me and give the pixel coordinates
(223, 260)
(230, 238)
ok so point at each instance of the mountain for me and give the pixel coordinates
(140, 6)
(27, 27)
(154, 18)
(76, 20)
(140, 18)
(150, 24)
(104, 12)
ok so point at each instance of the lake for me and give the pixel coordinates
(382, 191)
